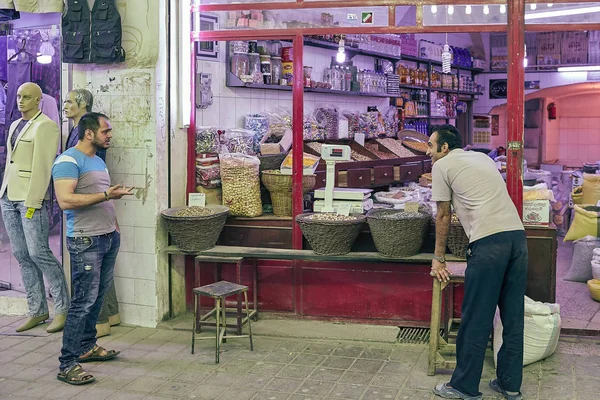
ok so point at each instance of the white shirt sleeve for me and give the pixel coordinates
(440, 188)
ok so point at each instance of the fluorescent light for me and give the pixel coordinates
(533, 6)
(486, 9)
(468, 10)
(502, 9)
(433, 9)
(450, 10)
(562, 13)
(579, 68)
(185, 59)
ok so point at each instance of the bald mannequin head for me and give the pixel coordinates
(28, 99)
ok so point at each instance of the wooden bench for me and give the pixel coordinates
(438, 345)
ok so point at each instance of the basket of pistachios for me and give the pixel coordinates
(398, 233)
(195, 228)
(330, 234)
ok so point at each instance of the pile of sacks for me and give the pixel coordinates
(594, 284)
(585, 264)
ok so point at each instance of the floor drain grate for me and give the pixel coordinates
(413, 335)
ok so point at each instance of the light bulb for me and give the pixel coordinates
(502, 9)
(450, 10)
(550, 5)
(468, 10)
(486, 9)
(340, 57)
(44, 59)
(533, 6)
(433, 9)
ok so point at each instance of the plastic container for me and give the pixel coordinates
(254, 68)
(276, 70)
(240, 64)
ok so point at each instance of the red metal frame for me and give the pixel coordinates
(298, 142)
(515, 101)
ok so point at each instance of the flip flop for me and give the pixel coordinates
(95, 356)
(496, 386)
(75, 376)
(447, 392)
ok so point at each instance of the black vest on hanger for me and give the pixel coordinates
(92, 36)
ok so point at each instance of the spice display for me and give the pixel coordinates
(207, 140)
(356, 156)
(374, 148)
(308, 161)
(239, 141)
(390, 122)
(329, 117)
(194, 211)
(395, 146)
(316, 146)
(353, 118)
(241, 184)
(208, 173)
(259, 124)
(417, 146)
(313, 130)
(280, 122)
(371, 124)
(331, 217)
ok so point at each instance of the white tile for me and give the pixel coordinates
(136, 265)
(127, 238)
(145, 240)
(144, 292)
(130, 314)
(212, 115)
(145, 214)
(582, 152)
(227, 116)
(581, 136)
(125, 289)
(572, 152)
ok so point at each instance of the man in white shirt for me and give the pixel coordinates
(496, 272)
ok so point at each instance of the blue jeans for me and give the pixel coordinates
(92, 266)
(29, 242)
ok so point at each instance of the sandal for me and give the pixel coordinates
(75, 376)
(496, 386)
(96, 355)
(445, 391)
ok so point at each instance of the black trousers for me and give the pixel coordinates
(496, 275)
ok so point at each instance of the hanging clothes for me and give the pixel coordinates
(92, 36)
(18, 74)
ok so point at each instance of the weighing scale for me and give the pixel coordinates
(332, 154)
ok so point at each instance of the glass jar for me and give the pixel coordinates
(239, 46)
(240, 64)
(254, 68)
(276, 70)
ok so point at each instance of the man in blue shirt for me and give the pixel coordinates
(83, 190)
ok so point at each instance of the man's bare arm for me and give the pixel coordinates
(69, 200)
(442, 226)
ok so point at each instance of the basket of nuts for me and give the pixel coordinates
(240, 180)
(280, 189)
(398, 233)
(195, 228)
(457, 238)
(330, 234)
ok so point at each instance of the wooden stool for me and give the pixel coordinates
(202, 319)
(219, 291)
(436, 342)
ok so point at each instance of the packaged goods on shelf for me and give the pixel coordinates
(329, 118)
(241, 184)
(390, 122)
(353, 118)
(239, 141)
(207, 139)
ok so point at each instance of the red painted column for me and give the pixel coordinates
(515, 101)
(298, 141)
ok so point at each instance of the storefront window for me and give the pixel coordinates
(436, 15)
(563, 13)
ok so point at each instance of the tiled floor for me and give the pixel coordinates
(577, 309)
(157, 364)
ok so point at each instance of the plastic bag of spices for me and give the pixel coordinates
(239, 141)
(390, 122)
(371, 124)
(329, 117)
(240, 182)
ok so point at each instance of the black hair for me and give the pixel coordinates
(448, 134)
(89, 121)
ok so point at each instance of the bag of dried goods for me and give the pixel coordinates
(207, 140)
(328, 117)
(390, 122)
(541, 333)
(586, 222)
(239, 141)
(353, 118)
(583, 250)
(240, 180)
(313, 129)
(591, 188)
(371, 124)
(259, 124)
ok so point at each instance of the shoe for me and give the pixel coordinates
(495, 385)
(57, 324)
(114, 319)
(102, 330)
(32, 322)
(446, 392)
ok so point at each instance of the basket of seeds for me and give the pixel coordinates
(398, 233)
(280, 189)
(195, 228)
(330, 234)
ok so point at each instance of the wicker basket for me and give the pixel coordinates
(280, 189)
(271, 161)
(397, 233)
(194, 234)
(458, 240)
(330, 237)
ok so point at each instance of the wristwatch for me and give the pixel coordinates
(441, 259)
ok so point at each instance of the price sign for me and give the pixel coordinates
(196, 199)
(411, 206)
(359, 138)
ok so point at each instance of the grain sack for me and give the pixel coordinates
(577, 195)
(594, 288)
(581, 263)
(596, 269)
(241, 184)
(542, 329)
(586, 222)
(591, 188)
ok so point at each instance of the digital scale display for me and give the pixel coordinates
(337, 153)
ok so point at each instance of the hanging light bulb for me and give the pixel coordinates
(468, 10)
(502, 9)
(533, 6)
(446, 58)
(340, 57)
(46, 53)
(450, 10)
(433, 9)
(486, 9)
